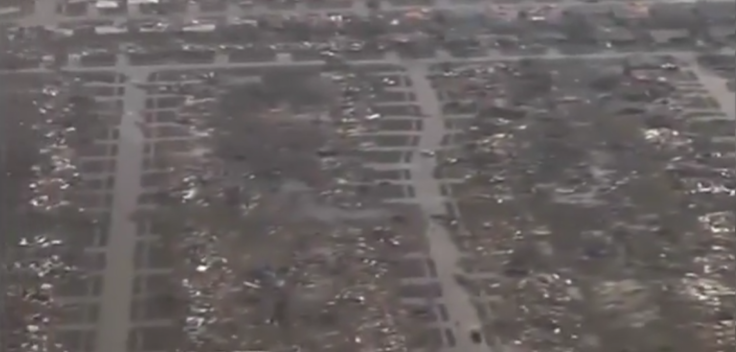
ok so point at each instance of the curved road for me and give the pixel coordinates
(429, 196)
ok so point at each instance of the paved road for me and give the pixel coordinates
(716, 86)
(120, 270)
(428, 194)
(390, 59)
(45, 14)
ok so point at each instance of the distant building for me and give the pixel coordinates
(672, 15)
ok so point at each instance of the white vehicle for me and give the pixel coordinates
(428, 153)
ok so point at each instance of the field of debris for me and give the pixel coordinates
(282, 229)
(596, 201)
(322, 176)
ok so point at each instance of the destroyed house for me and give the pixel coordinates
(722, 33)
(549, 37)
(627, 13)
(111, 7)
(590, 11)
(672, 15)
(616, 35)
(670, 36)
(717, 12)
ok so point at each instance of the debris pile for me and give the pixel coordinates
(595, 200)
(50, 127)
(272, 237)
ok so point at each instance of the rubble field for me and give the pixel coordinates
(596, 200)
(377, 176)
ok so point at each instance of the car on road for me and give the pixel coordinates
(428, 153)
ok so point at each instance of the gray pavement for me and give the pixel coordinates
(716, 87)
(393, 59)
(429, 197)
(120, 270)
